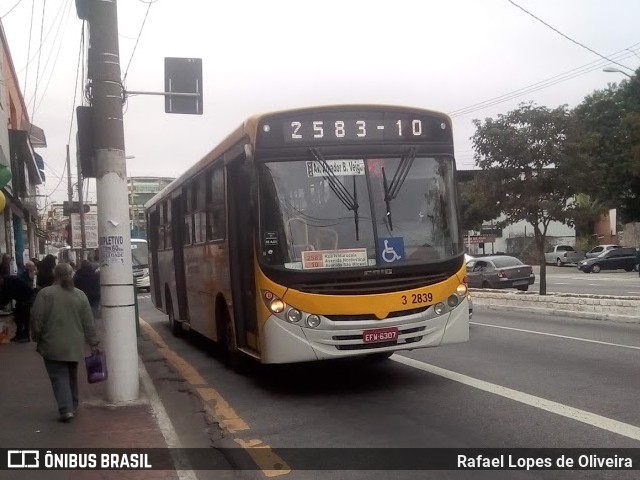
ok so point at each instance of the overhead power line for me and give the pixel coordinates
(11, 10)
(35, 55)
(124, 79)
(73, 108)
(64, 19)
(542, 84)
(35, 89)
(26, 74)
(566, 36)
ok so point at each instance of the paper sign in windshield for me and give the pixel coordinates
(338, 167)
(352, 257)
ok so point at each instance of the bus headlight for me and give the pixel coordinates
(461, 290)
(453, 300)
(294, 315)
(273, 303)
(277, 305)
(313, 321)
(439, 308)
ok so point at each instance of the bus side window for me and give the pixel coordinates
(166, 219)
(199, 208)
(216, 211)
(187, 211)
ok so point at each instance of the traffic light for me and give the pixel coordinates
(73, 207)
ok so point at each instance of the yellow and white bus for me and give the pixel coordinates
(315, 234)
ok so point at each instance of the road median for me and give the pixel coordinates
(596, 307)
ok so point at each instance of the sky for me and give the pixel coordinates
(263, 56)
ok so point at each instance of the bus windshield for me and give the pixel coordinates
(332, 213)
(139, 254)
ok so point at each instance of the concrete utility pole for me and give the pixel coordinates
(114, 236)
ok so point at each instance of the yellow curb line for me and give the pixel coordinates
(217, 407)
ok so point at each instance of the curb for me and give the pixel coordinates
(593, 307)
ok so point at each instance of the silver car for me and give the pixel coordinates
(499, 271)
(599, 250)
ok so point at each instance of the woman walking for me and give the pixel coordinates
(61, 321)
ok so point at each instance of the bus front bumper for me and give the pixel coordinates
(284, 342)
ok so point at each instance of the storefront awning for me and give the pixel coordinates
(37, 137)
(40, 165)
(22, 153)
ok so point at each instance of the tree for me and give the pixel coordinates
(607, 147)
(586, 213)
(475, 206)
(523, 154)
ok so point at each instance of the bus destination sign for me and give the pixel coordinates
(326, 127)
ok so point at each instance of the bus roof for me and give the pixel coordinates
(248, 130)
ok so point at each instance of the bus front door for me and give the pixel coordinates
(177, 240)
(241, 253)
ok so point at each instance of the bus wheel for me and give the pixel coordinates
(233, 357)
(174, 325)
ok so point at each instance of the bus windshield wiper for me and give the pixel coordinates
(348, 200)
(391, 191)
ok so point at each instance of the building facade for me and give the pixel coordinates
(21, 168)
(141, 190)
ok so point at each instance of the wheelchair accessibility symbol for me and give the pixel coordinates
(391, 249)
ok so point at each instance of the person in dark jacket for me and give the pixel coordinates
(5, 265)
(45, 271)
(13, 287)
(88, 280)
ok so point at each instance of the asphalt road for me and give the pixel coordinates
(522, 381)
(571, 280)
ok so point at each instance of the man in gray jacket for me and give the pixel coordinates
(61, 322)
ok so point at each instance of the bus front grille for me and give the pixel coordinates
(371, 316)
(359, 286)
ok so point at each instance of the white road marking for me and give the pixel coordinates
(183, 470)
(600, 279)
(556, 335)
(598, 421)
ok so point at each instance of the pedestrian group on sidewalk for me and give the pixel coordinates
(59, 315)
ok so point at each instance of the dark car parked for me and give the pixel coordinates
(500, 271)
(619, 258)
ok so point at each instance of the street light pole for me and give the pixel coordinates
(616, 70)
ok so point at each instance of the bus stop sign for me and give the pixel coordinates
(183, 76)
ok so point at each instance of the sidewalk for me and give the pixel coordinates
(28, 418)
